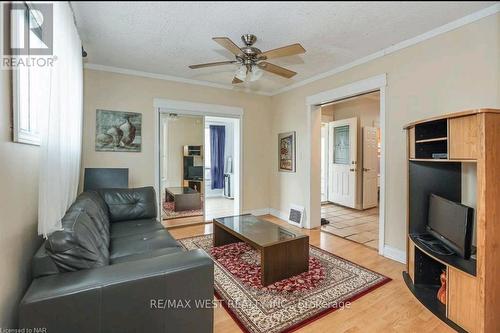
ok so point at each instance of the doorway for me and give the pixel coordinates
(221, 166)
(353, 168)
(183, 171)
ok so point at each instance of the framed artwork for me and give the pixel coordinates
(118, 131)
(286, 152)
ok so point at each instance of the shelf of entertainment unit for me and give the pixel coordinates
(426, 294)
(432, 140)
(440, 160)
(466, 266)
(472, 139)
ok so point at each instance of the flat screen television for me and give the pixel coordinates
(451, 223)
(195, 172)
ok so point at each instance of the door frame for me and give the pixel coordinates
(162, 105)
(324, 164)
(313, 139)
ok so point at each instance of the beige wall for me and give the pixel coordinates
(19, 204)
(181, 132)
(454, 71)
(112, 91)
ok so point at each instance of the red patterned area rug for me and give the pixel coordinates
(170, 213)
(330, 284)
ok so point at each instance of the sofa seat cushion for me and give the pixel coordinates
(137, 244)
(134, 227)
(146, 255)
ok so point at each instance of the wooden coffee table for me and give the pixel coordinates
(283, 252)
(185, 198)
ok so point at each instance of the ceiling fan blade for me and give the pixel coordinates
(236, 80)
(211, 64)
(284, 51)
(228, 45)
(278, 70)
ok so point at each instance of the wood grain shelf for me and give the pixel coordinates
(432, 140)
(440, 160)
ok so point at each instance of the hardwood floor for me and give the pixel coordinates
(390, 308)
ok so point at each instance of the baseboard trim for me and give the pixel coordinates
(257, 212)
(394, 254)
(279, 214)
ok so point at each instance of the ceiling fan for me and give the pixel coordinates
(251, 60)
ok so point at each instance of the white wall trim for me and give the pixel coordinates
(186, 107)
(162, 105)
(171, 78)
(394, 254)
(257, 211)
(349, 90)
(399, 46)
(373, 83)
(279, 214)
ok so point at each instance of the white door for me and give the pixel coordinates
(370, 167)
(342, 164)
(324, 162)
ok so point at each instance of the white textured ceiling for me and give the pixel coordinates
(166, 37)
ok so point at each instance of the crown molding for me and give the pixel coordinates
(171, 78)
(391, 49)
(399, 46)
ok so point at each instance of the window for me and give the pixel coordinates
(30, 84)
(341, 149)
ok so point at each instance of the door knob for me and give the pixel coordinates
(365, 169)
(352, 170)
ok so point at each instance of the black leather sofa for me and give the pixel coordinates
(114, 268)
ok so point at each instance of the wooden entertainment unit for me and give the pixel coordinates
(457, 156)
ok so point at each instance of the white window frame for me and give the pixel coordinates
(31, 134)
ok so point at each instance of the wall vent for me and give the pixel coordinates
(296, 215)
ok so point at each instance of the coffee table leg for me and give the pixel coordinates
(222, 237)
(284, 260)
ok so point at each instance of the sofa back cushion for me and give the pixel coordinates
(79, 245)
(93, 204)
(130, 204)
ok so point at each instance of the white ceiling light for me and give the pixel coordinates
(252, 73)
(255, 74)
(241, 73)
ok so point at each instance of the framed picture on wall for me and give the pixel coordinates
(118, 131)
(286, 152)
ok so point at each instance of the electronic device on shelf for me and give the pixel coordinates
(450, 224)
(195, 173)
(434, 245)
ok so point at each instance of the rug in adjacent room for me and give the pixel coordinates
(170, 213)
(331, 283)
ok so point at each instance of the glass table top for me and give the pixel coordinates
(258, 231)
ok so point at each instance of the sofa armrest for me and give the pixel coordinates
(170, 293)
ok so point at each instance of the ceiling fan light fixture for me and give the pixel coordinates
(255, 74)
(241, 73)
(252, 61)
